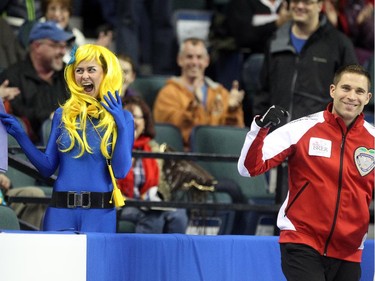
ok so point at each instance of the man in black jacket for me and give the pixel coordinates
(40, 77)
(301, 60)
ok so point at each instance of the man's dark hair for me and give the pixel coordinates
(352, 68)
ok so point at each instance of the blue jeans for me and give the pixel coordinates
(155, 221)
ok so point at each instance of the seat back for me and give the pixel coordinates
(170, 134)
(212, 222)
(46, 130)
(148, 87)
(191, 23)
(227, 140)
(8, 219)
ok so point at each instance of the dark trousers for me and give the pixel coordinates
(145, 32)
(301, 262)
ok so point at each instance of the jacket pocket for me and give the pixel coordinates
(299, 193)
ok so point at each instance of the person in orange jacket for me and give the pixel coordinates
(193, 99)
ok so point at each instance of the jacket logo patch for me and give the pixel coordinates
(364, 160)
(321, 60)
(320, 147)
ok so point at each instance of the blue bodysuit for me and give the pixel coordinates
(86, 173)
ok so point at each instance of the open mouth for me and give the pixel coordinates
(88, 87)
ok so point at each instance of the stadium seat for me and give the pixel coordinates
(169, 134)
(46, 130)
(228, 140)
(148, 87)
(8, 219)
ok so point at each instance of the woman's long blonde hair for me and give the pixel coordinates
(79, 104)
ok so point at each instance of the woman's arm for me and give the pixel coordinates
(46, 163)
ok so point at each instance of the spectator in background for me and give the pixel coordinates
(60, 11)
(259, 19)
(356, 19)
(129, 75)
(193, 99)
(18, 11)
(301, 60)
(142, 181)
(104, 19)
(11, 50)
(31, 213)
(144, 31)
(40, 76)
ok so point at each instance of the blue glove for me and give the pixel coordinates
(272, 117)
(12, 125)
(39, 159)
(115, 108)
(122, 154)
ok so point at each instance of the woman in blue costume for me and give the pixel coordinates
(89, 129)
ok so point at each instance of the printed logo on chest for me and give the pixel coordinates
(364, 160)
(320, 147)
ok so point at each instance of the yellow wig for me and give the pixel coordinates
(76, 108)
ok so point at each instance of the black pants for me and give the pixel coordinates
(301, 262)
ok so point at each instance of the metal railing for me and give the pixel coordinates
(27, 168)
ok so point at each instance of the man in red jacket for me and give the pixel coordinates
(324, 220)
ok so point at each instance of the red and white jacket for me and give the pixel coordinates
(331, 180)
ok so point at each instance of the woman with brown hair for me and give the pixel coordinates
(142, 181)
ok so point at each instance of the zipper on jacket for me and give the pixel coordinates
(295, 198)
(342, 146)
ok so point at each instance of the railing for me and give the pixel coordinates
(27, 168)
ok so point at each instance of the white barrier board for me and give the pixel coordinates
(42, 257)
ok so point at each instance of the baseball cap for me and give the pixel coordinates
(49, 30)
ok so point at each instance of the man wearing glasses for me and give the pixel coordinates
(301, 60)
(40, 77)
